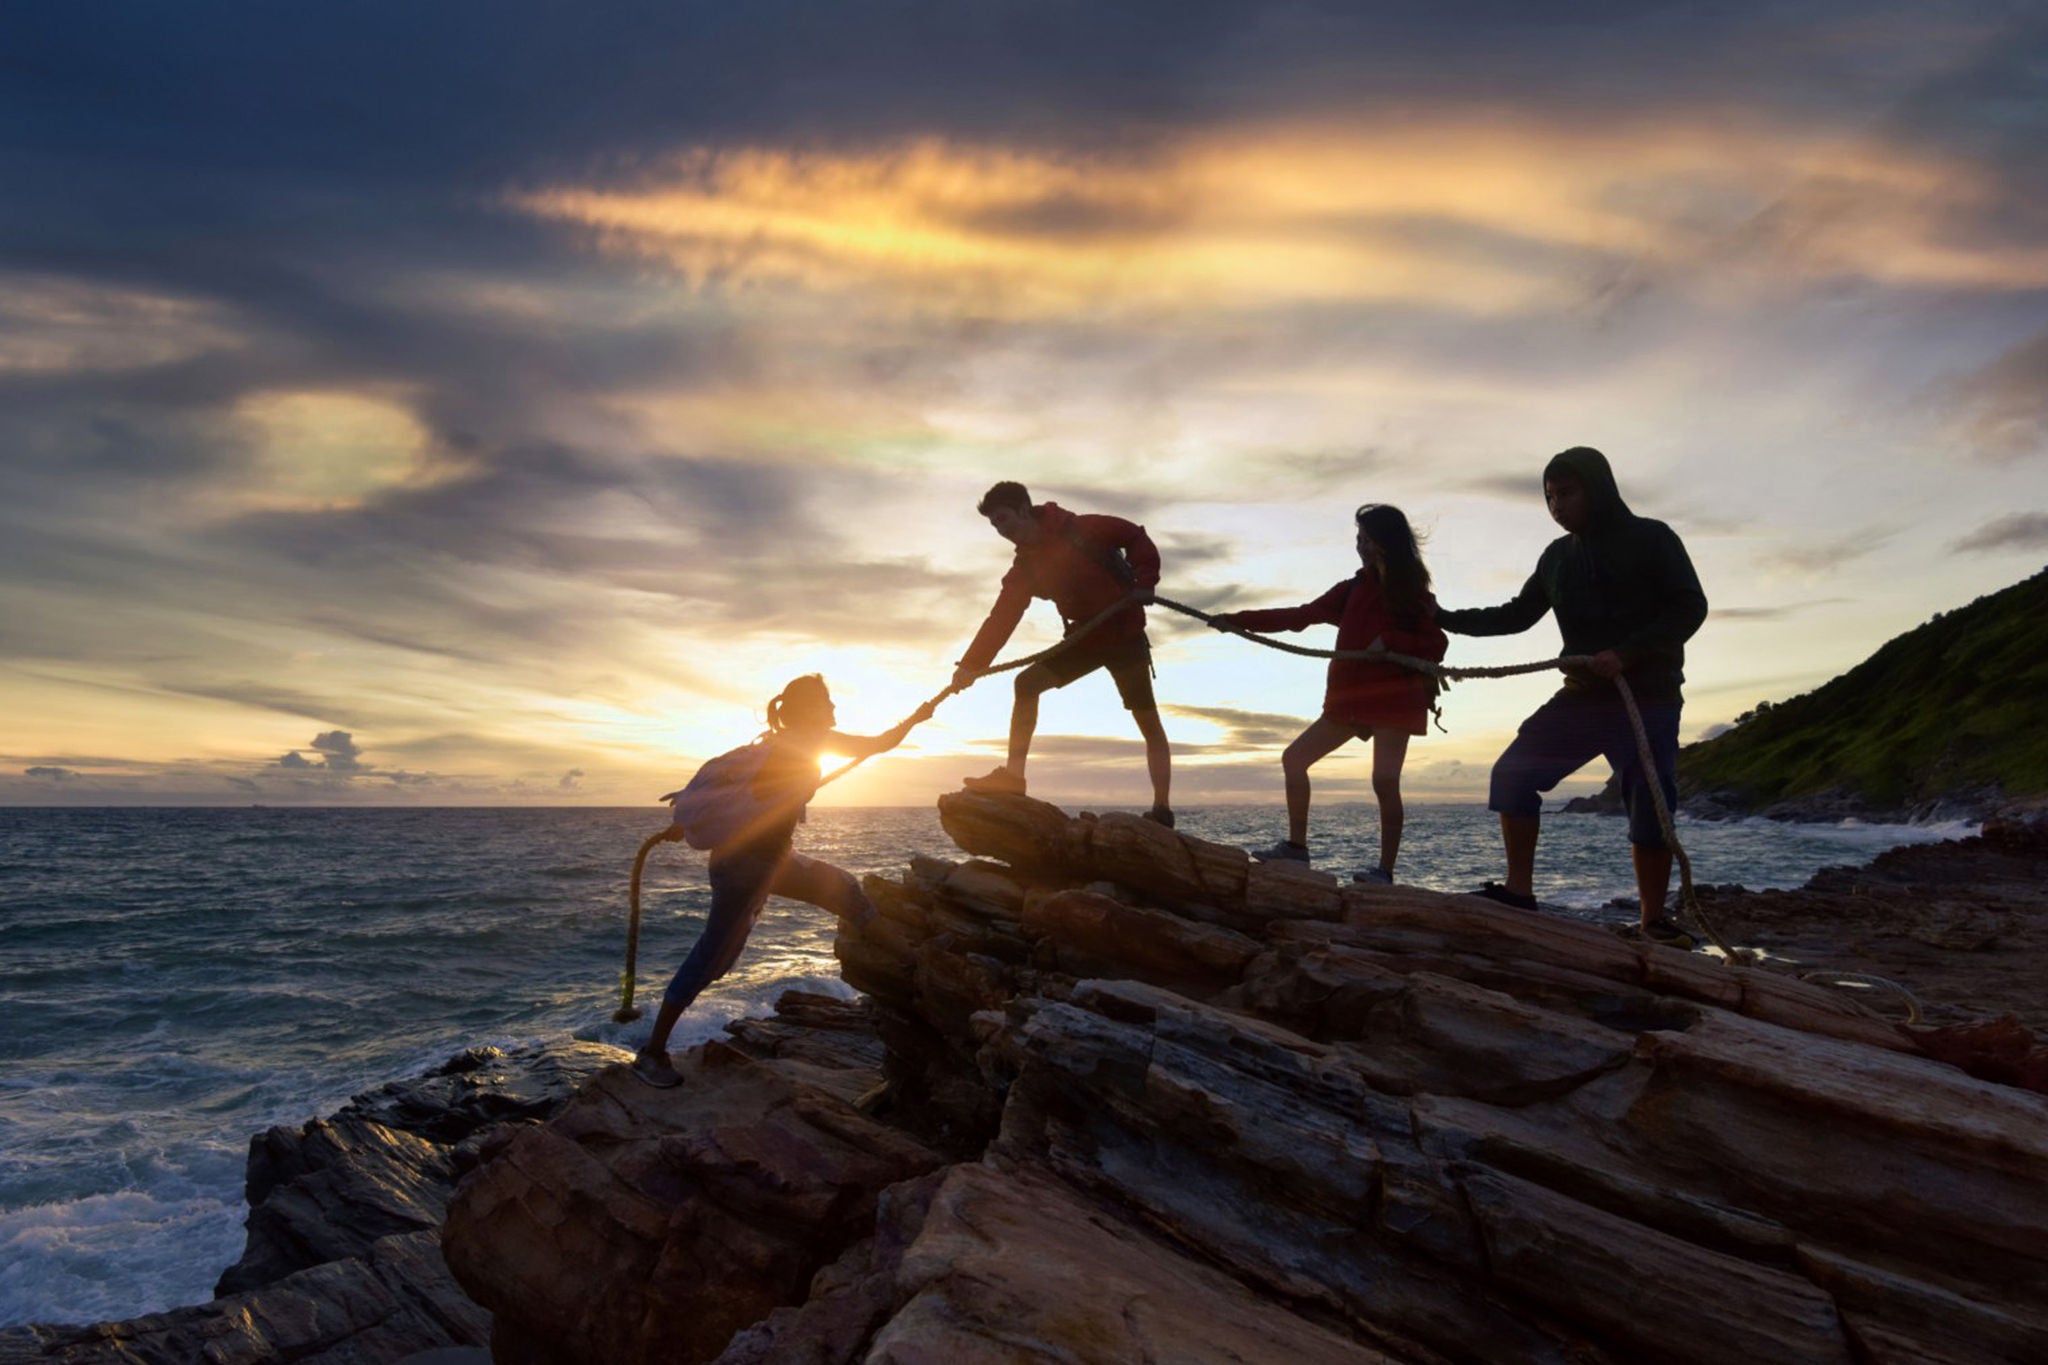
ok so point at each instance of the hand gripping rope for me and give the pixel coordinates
(1688, 896)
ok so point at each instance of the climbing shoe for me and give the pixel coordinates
(1378, 876)
(1160, 815)
(1001, 782)
(654, 1068)
(1282, 851)
(1494, 891)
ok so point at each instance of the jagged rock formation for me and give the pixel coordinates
(343, 1261)
(1140, 1098)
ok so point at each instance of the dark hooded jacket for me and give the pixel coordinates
(1625, 584)
(1085, 564)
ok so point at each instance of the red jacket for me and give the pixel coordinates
(1361, 692)
(1073, 564)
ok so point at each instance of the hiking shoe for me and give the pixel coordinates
(1494, 891)
(1001, 782)
(1667, 931)
(1160, 815)
(654, 1069)
(1282, 851)
(1378, 876)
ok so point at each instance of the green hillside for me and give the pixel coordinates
(1954, 706)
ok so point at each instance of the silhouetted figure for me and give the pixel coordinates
(1386, 605)
(1084, 564)
(1625, 593)
(755, 861)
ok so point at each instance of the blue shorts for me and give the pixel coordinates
(1571, 730)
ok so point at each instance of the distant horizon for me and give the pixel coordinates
(519, 432)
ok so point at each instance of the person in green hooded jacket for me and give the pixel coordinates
(1626, 597)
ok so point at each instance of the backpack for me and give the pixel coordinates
(720, 802)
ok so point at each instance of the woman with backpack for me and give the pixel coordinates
(1385, 605)
(744, 806)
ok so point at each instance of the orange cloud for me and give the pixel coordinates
(1488, 216)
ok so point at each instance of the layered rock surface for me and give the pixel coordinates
(343, 1262)
(1116, 1094)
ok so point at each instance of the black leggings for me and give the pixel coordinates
(741, 882)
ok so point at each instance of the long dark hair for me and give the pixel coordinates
(809, 690)
(1404, 577)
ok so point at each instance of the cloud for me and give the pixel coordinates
(1245, 729)
(2020, 531)
(1828, 555)
(570, 779)
(339, 755)
(2002, 409)
(50, 774)
(1777, 613)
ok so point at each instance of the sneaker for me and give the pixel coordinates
(1379, 876)
(1668, 932)
(1282, 851)
(1494, 891)
(1001, 782)
(1160, 815)
(654, 1068)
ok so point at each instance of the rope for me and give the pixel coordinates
(1688, 896)
(1834, 978)
(626, 1012)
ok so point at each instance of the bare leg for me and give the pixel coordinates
(1518, 837)
(1653, 879)
(1158, 755)
(1023, 722)
(1389, 751)
(1321, 739)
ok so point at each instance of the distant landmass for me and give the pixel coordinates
(1948, 721)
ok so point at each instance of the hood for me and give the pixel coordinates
(1590, 468)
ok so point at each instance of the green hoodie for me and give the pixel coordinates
(1625, 584)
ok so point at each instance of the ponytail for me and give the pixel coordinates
(779, 706)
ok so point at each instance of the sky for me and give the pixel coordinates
(466, 403)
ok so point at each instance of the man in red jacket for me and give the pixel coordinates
(1085, 565)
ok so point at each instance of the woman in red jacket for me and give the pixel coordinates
(1385, 605)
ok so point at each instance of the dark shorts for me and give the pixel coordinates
(1129, 663)
(1571, 730)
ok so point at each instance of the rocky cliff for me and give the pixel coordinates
(343, 1260)
(1118, 1095)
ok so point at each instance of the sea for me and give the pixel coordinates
(174, 981)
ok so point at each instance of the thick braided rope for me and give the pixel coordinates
(1688, 897)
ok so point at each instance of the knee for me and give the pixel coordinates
(1514, 789)
(1386, 787)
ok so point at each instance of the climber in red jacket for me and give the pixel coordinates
(1085, 565)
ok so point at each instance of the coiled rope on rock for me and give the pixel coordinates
(1688, 896)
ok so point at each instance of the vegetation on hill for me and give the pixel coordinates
(1952, 708)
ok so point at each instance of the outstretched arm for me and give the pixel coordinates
(1509, 618)
(867, 746)
(996, 629)
(1326, 610)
